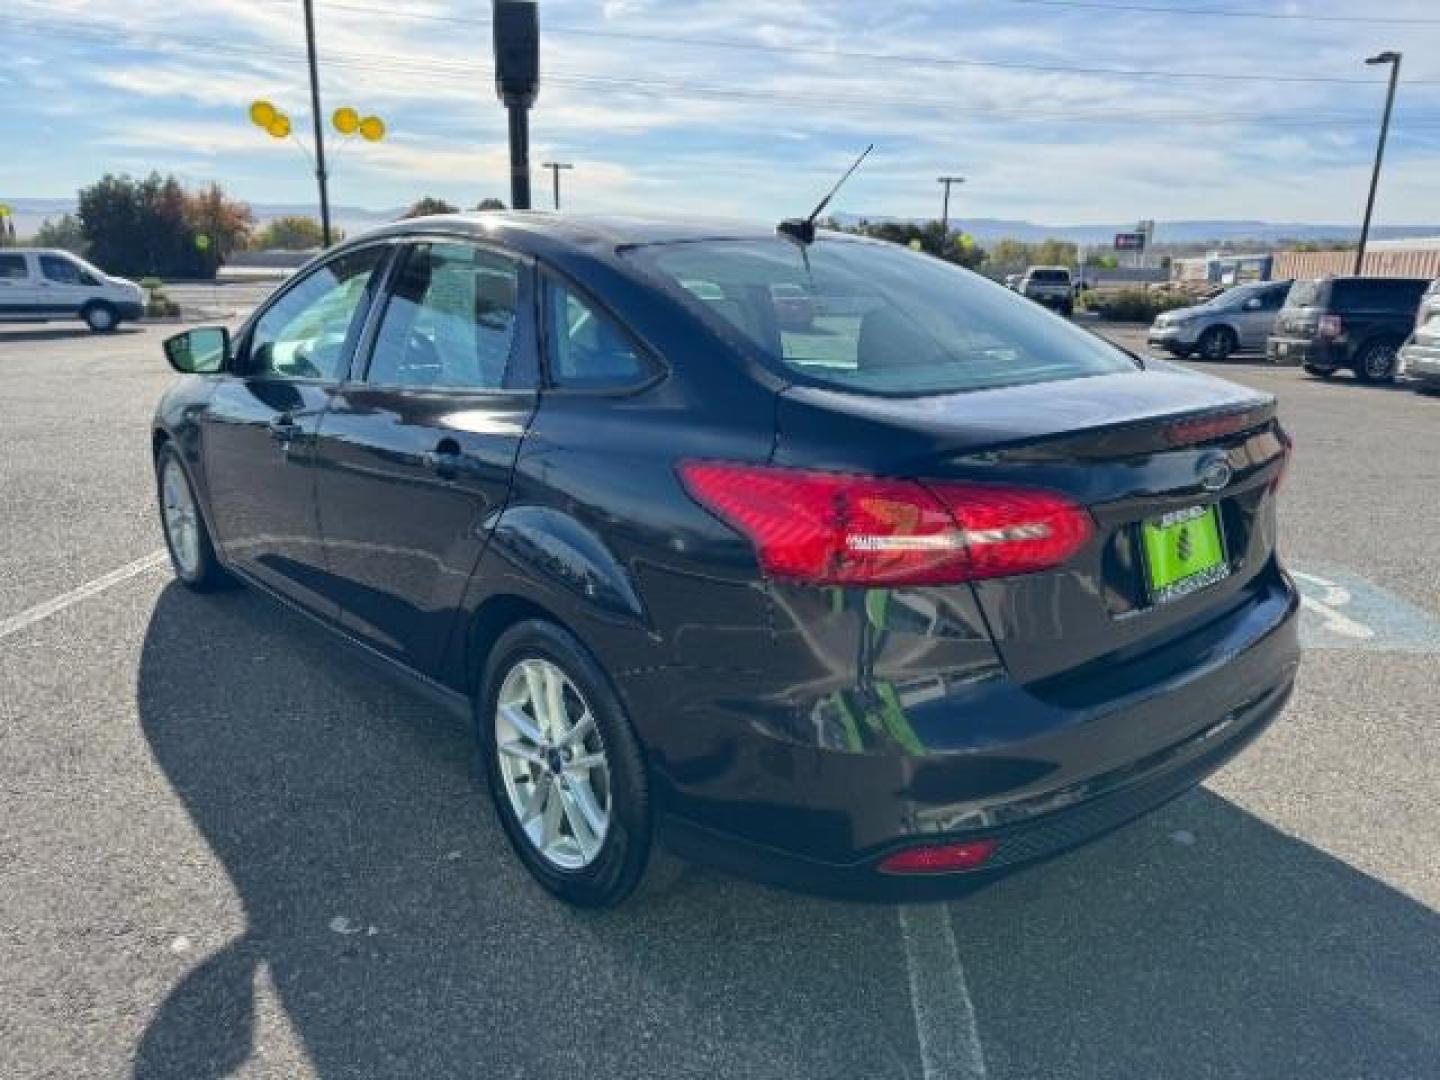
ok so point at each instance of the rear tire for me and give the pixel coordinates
(1376, 361)
(101, 318)
(547, 801)
(192, 555)
(1216, 344)
(1319, 372)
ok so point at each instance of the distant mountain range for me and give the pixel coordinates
(30, 212)
(988, 230)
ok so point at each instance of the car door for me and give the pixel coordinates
(415, 452)
(17, 286)
(259, 429)
(64, 286)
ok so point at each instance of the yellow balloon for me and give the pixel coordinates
(372, 129)
(263, 114)
(346, 120)
(279, 127)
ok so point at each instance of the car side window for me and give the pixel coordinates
(63, 271)
(12, 268)
(449, 321)
(587, 351)
(305, 333)
(1273, 299)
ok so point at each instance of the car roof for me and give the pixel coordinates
(582, 230)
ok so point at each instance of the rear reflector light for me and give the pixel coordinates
(1330, 326)
(938, 858)
(839, 529)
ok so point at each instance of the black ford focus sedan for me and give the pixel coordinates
(816, 559)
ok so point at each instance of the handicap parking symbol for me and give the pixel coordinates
(1341, 610)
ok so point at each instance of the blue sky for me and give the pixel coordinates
(752, 108)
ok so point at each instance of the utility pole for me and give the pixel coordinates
(319, 127)
(945, 205)
(555, 167)
(1393, 59)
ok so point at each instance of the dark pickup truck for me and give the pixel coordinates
(1346, 322)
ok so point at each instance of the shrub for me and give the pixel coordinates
(1135, 305)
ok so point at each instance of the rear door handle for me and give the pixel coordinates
(283, 428)
(445, 460)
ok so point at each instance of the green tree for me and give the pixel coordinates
(1056, 253)
(62, 232)
(154, 227)
(291, 233)
(490, 203)
(428, 204)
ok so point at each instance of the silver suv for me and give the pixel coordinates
(1420, 356)
(1050, 286)
(1237, 319)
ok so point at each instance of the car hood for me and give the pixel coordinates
(1175, 315)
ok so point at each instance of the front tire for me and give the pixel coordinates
(1217, 343)
(101, 318)
(192, 555)
(1376, 362)
(564, 768)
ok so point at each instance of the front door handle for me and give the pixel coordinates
(283, 428)
(445, 460)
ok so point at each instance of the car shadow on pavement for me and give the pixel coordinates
(401, 938)
(55, 333)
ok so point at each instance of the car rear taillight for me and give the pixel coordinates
(1330, 326)
(938, 858)
(839, 529)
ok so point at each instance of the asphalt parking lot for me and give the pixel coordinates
(224, 850)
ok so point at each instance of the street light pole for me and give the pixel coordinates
(319, 127)
(1393, 59)
(945, 205)
(555, 167)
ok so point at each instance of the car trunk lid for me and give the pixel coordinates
(1130, 448)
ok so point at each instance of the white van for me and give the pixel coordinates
(41, 284)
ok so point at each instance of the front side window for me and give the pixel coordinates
(64, 272)
(876, 317)
(587, 350)
(306, 333)
(449, 321)
(12, 268)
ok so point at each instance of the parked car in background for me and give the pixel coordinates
(44, 284)
(1420, 356)
(938, 588)
(1051, 286)
(1347, 322)
(1236, 320)
(1012, 282)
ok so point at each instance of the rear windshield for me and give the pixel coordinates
(1050, 277)
(876, 317)
(1308, 293)
(1382, 293)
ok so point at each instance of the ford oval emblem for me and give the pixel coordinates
(1215, 473)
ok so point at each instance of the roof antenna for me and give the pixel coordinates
(803, 229)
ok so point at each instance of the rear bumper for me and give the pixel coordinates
(1090, 754)
(1311, 352)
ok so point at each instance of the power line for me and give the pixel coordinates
(461, 72)
(1232, 13)
(886, 57)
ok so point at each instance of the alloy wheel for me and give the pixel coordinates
(1380, 361)
(182, 525)
(553, 764)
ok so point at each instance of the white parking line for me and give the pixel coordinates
(944, 1015)
(29, 617)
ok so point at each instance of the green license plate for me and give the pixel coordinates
(1184, 551)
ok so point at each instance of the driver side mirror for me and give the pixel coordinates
(202, 351)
